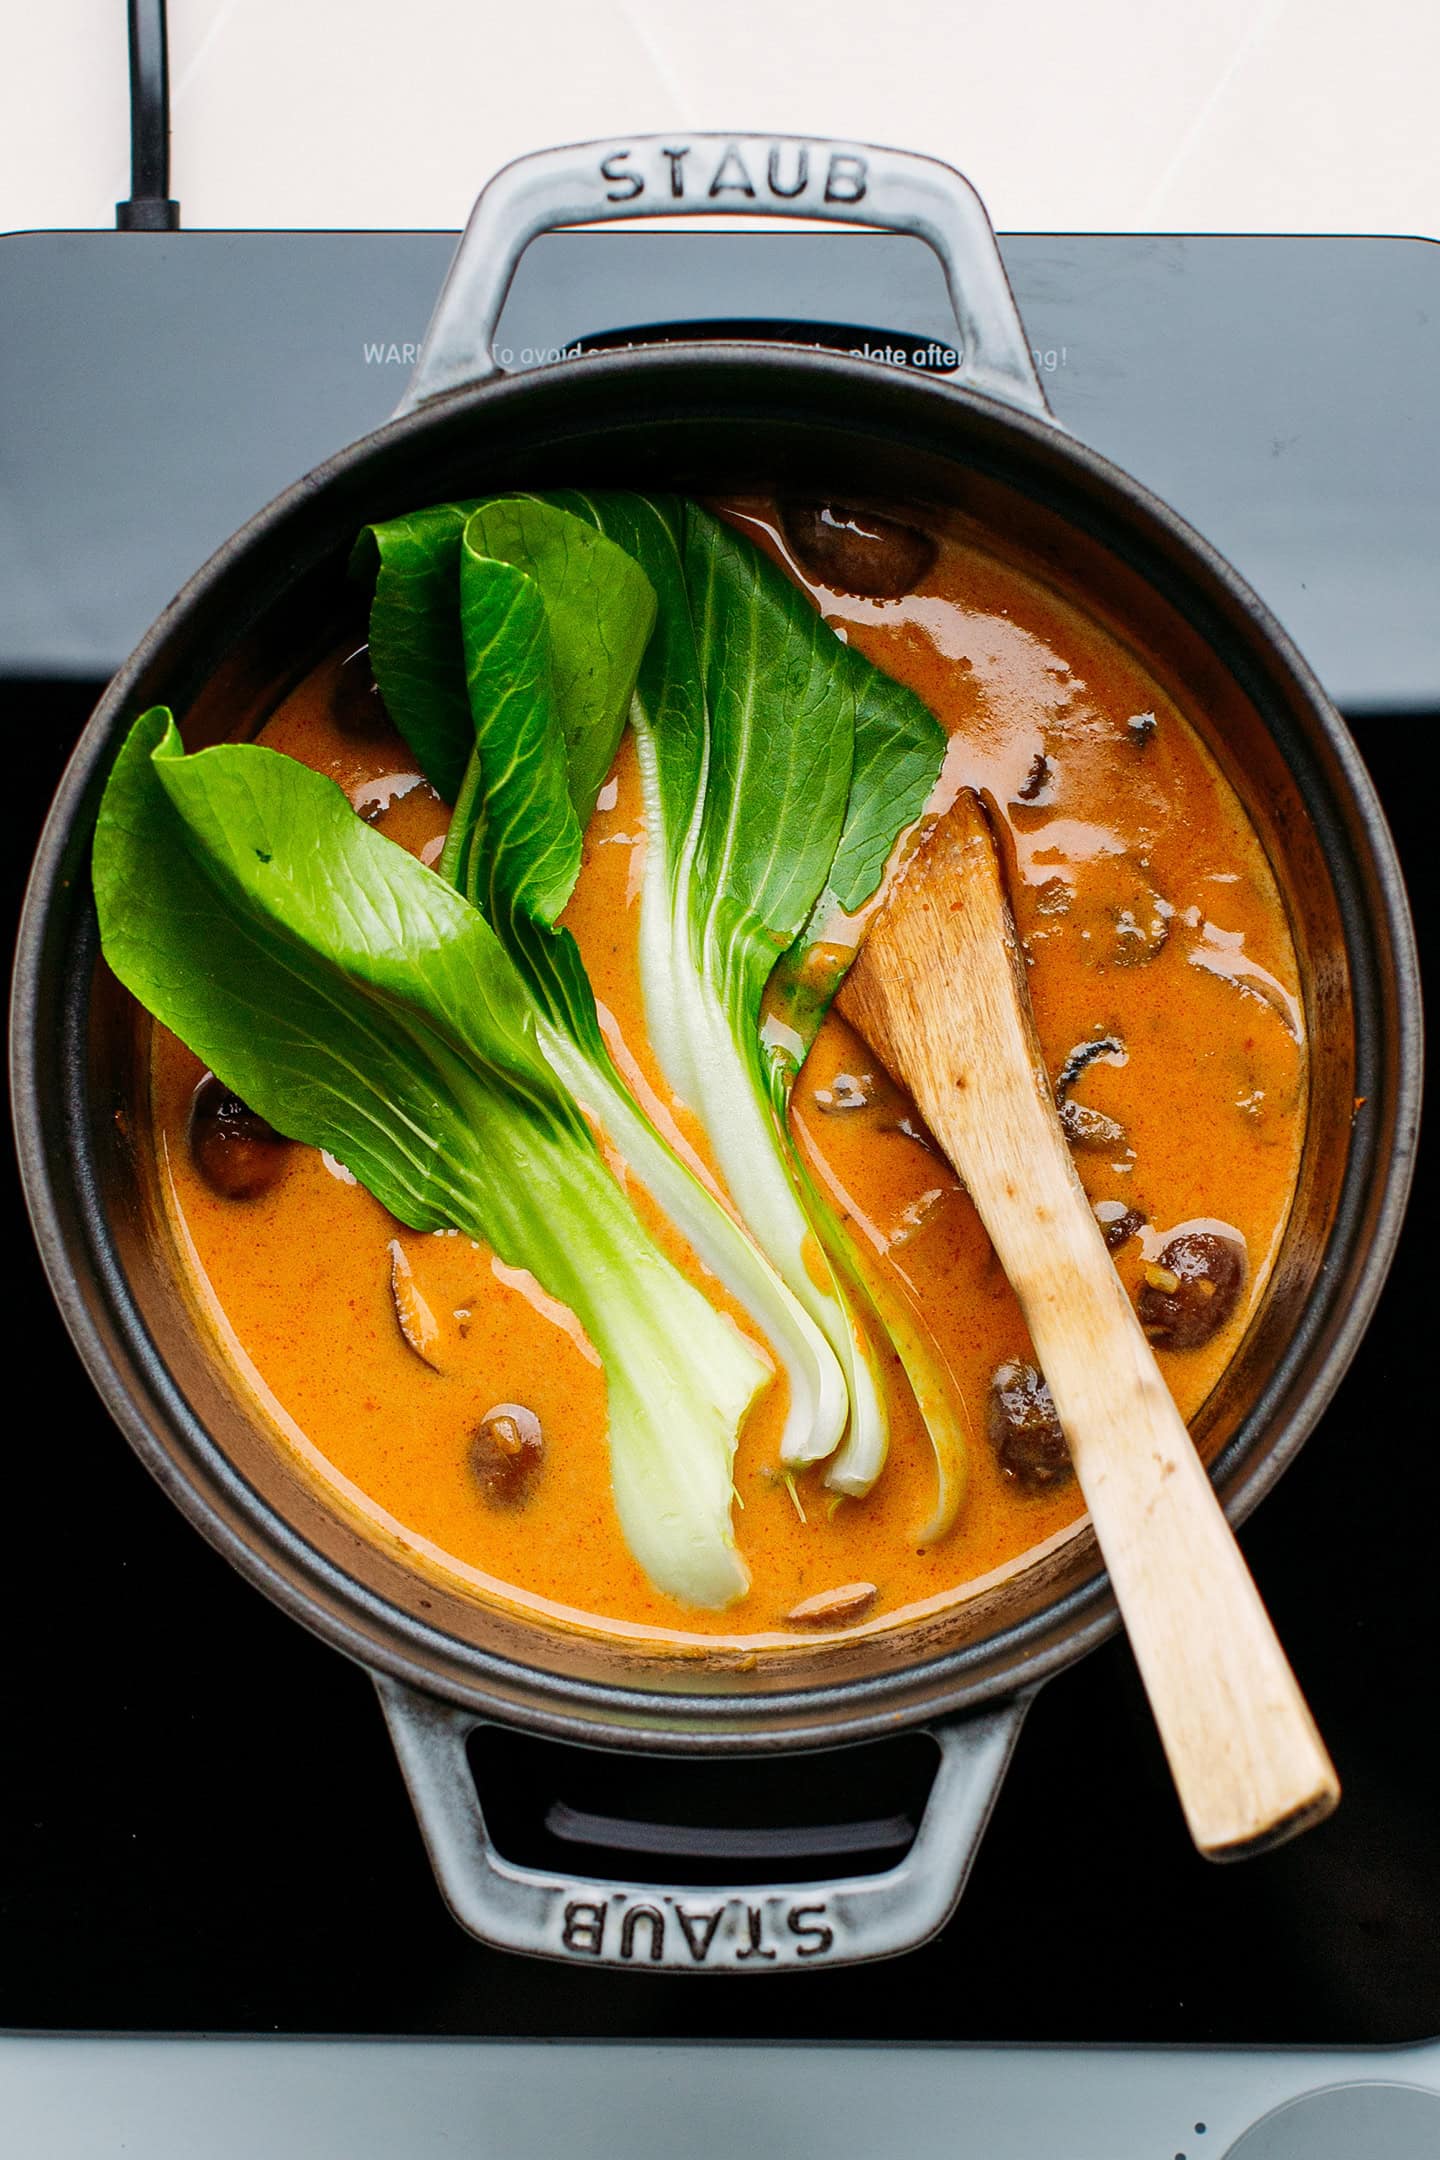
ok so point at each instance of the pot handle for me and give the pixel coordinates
(688, 175)
(750, 1928)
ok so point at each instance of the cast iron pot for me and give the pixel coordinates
(712, 418)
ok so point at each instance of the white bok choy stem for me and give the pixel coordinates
(695, 1043)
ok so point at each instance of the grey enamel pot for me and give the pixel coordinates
(707, 418)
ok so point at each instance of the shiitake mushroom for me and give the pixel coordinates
(1083, 1126)
(855, 551)
(1096, 1048)
(1189, 1293)
(238, 1153)
(1023, 1428)
(1036, 780)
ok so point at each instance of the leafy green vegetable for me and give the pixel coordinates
(745, 733)
(899, 749)
(514, 844)
(598, 614)
(364, 1007)
(415, 636)
(781, 720)
(525, 588)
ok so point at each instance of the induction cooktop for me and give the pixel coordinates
(202, 1827)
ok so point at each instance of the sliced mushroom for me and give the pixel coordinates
(506, 1454)
(1092, 1130)
(832, 1608)
(1141, 930)
(1036, 781)
(1110, 1048)
(1083, 1127)
(1121, 919)
(237, 1152)
(854, 551)
(413, 1317)
(1118, 1223)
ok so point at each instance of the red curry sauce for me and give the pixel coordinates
(1150, 916)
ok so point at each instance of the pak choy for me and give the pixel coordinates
(362, 1005)
(505, 638)
(898, 751)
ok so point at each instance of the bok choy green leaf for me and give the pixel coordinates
(415, 636)
(599, 612)
(361, 1005)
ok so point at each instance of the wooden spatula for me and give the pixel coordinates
(938, 990)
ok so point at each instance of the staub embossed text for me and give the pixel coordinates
(731, 173)
(665, 1929)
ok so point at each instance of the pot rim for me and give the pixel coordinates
(126, 1367)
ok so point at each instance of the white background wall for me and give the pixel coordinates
(1229, 115)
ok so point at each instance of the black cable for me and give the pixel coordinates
(150, 207)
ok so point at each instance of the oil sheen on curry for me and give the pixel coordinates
(460, 1408)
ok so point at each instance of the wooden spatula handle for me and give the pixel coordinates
(939, 992)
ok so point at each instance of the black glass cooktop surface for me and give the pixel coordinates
(202, 1826)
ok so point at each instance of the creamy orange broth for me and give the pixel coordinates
(297, 1281)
